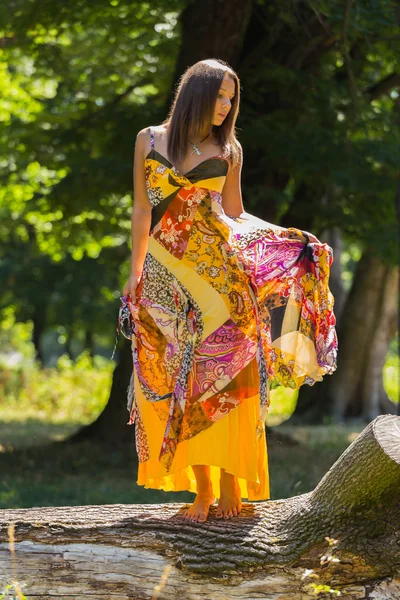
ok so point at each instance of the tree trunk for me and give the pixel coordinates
(39, 324)
(366, 330)
(89, 342)
(218, 29)
(111, 425)
(68, 342)
(373, 393)
(124, 551)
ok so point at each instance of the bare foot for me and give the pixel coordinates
(200, 507)
(230, 502)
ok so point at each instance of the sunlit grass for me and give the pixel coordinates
(70, 394)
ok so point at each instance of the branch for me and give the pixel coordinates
(383, 87)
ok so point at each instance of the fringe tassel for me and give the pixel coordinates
(131, 405)
(116, 342)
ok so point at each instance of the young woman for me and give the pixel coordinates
(222, 305)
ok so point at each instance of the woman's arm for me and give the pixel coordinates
(141, 214)
(232, 202)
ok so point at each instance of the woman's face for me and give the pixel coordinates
(224, 100)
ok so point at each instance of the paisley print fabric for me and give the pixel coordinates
(226, 309)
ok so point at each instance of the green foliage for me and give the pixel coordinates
(78, 81)
(283, 403)
(320, 118)
(71, 393)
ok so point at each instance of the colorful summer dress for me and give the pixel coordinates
(226, 310)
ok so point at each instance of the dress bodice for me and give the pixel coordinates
(209, 173)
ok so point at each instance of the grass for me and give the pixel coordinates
(41, 408)
(89, 473)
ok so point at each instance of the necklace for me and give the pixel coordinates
(196, 146)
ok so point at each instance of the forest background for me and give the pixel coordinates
(319, 125)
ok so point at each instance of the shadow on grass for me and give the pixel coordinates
(72, 474)
(17, 434)
(51, 473)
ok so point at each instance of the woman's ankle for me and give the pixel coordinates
(227, 476)
(204, 491)
(203, 480)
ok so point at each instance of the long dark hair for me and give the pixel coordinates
(194, 105)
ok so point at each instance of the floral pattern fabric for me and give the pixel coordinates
(219, 299)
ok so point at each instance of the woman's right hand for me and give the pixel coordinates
(131, 286)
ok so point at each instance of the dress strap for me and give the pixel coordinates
(151, 137)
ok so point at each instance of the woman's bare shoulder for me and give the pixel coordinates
(143, 133)
(143, 136)
(142, 144)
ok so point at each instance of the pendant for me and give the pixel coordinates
(195, 149)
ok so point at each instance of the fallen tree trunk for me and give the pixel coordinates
(126, 551)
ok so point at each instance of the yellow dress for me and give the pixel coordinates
(231, 443)
(226, 309)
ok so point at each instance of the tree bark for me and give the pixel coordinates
(217, 26)
(123, 551)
